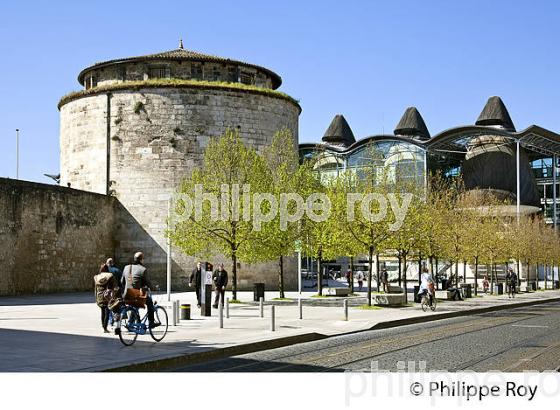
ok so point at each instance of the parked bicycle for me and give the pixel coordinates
(130, 325)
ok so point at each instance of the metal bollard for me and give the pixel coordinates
(221, 315)
(261, 305)
(227, 308)
(272, 318)
(300, 305)
(345, 304)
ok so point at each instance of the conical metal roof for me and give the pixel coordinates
(339, 132)
(412, 124)
(495, 113)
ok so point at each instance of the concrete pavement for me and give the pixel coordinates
(63, 332)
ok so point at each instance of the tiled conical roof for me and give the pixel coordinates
(495, 113)
(339, 132)
(412, 124)
(181, 54)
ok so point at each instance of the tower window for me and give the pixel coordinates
(232, 75)
(196, 71)
(246, 78)
(160, 72)
(91, 81)
(216, 74)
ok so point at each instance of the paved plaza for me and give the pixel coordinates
(62, 332)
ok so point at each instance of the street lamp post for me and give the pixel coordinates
(17, 153)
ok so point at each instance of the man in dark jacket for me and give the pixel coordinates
(220, 279)
(196, 278)
(135, 276)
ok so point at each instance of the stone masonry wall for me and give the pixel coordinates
(156, 137)
(187, 70)
(52, 239)
(83, 144)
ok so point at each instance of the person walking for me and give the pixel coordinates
(485, 284)
(220, 279)
(349, 278)
(104, 283)
(136, 277)
(196, 278)
(360, 279)
(511, 280)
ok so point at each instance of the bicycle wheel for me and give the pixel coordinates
(434, 304)
(160, 317)
(127, 329)
(424, 304)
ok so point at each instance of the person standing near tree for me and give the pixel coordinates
(385, 280)
(220, 279)
(360, 279)
(511, 279)
(196, 278)
(349, 278)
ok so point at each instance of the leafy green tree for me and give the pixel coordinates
(290, 181)
(371, 222)
(225, 228)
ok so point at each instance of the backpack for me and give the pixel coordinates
(103, 278)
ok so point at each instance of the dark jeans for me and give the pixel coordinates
(219, 292)
(104, 317)
(197, 290)
(151, 310)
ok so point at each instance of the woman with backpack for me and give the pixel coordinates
(106, 287)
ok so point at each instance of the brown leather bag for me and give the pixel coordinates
(134, 297)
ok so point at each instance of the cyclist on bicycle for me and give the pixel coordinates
(426, 285)
(138, 280)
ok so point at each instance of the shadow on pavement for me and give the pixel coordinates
(241, 365)
(31, 351)
(48, 299)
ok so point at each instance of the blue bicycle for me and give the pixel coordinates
(129, 324)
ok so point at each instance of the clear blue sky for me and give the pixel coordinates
(368, 60)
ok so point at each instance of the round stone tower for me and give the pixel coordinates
(141, 124)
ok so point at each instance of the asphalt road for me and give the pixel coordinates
(509, 341)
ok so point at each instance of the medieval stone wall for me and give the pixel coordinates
(186, 70)
(155, 137)
(53, 239)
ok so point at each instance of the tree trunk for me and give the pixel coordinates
(377, 271)
(319, 276)
(476, 275)
(465, 272)
(351, 274)
(370, 273)
(457, 273)
(431, 264)
(495, 272)
(234, 275)
(528, 270)
(281, 277)
(437, 273)
(545, 274)
(404, 278)
(400, 270)
(488, 268)
(419, 268)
